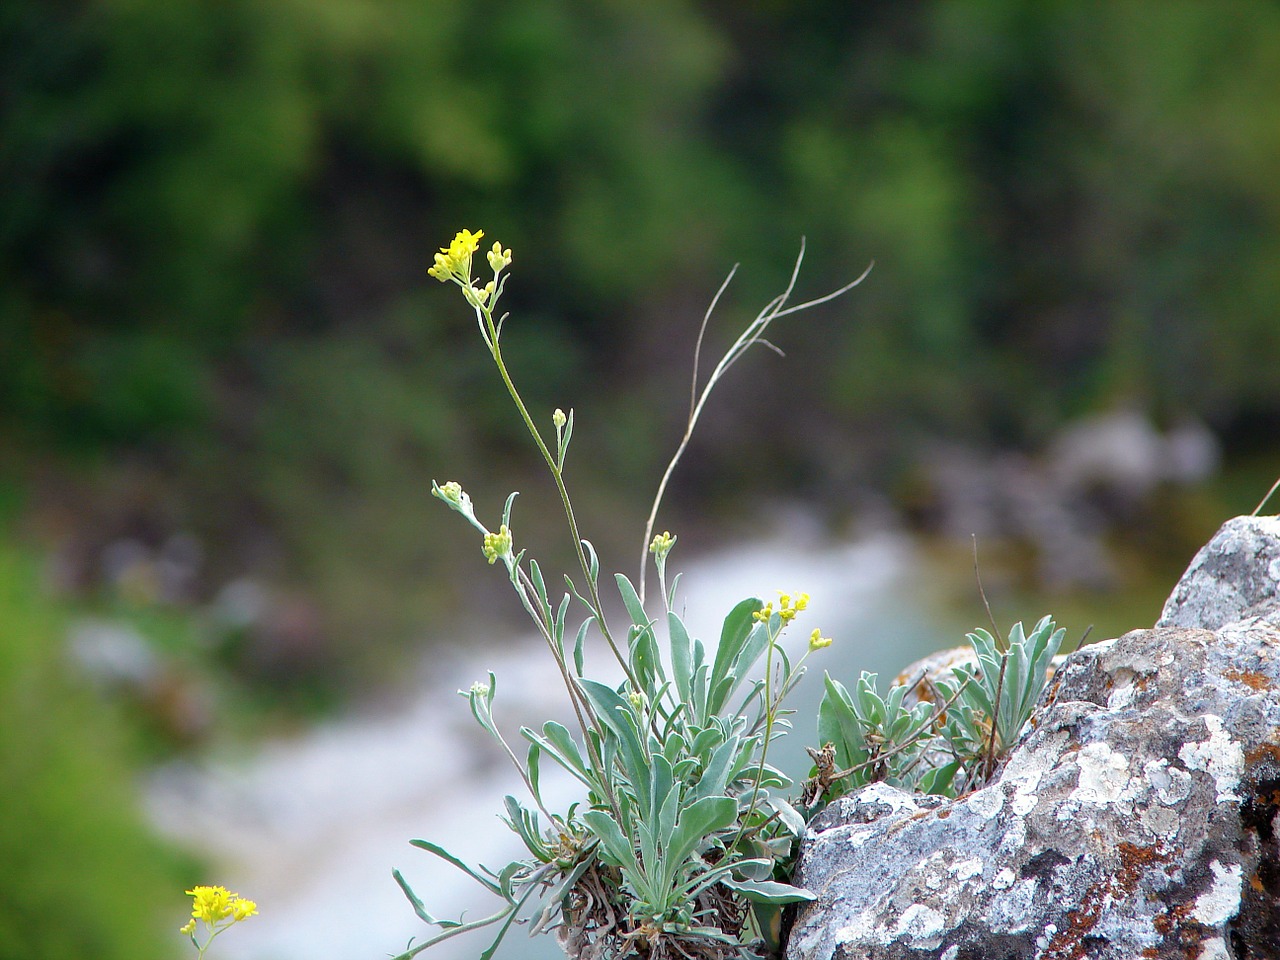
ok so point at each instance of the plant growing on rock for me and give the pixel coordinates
(997, 695)
(951, 741)
(685, 840)
(683, 844)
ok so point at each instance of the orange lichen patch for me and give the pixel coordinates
(943, 814)
(1250, 678)
(1068, 944)
(1262, 753)
(1151, 952)
(1255, 881)
(1180, 931)
(1134, 862)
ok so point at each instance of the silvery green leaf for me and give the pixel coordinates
(697, 822)
(593, 562)
(418, 907)
(681, 656)
(614, 847)
(540, 588)
(736, 630)
(788, 815)
(579, 646)
(768, 891)
(444, 854)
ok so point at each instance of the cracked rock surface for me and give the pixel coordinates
(1137, 820)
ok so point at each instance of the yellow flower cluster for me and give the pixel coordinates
(497, 544)
(455, 260)
(217, 908)
(214, 904)
(454, 263)
(788, 607)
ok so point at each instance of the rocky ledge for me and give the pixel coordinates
(1138, 819)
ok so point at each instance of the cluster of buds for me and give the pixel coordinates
(787, 608)
(479, 295)
(456, 498)
(662, 545)
(638, 701)
(499, 259)
(497, 544)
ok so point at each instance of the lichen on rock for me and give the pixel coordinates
(1137, 819)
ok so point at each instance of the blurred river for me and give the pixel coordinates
(310, 827)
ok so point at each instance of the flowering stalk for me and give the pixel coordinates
(453, 263)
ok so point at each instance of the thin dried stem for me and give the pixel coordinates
(753, 335)
(977, 574)
(1258, 509)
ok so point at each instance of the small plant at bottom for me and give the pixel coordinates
(997, 695)
(215, 909)
(947, 742)
(684, 841)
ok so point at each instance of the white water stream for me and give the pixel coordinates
(310, 827)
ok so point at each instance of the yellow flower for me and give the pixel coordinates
(210, 904)
(465, 243)
(188, 928)
(213, 904)
(817, 641)
(763, 614)
(790, 606)
(454, 261)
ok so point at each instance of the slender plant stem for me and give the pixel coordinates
(770, 713)
(558, 476)
(575, 694)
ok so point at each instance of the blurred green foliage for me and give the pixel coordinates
(217, 216)
(82, 875)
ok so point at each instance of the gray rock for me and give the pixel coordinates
(1137, 819)
(1236, 574)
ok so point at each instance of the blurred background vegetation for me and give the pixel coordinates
(226, 380)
